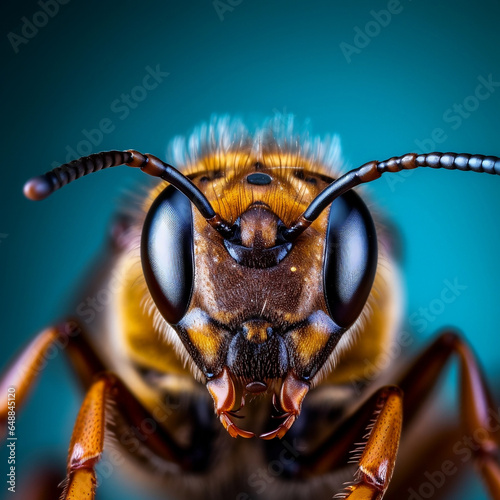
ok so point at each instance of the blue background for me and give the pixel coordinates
(253, 60)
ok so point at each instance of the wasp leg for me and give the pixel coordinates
(375, 426)
(378, 456)
(477, 408)
(130, 413)
(109, 403)
(23, 371)
(87, 441)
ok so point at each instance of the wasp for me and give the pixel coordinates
(250, 286)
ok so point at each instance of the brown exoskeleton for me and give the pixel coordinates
(260, 274)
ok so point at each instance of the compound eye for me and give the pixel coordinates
(167, 253)
(350, 260)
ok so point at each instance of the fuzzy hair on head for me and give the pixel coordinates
(279, 135)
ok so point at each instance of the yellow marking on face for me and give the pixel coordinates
(256, 330)
(293, 269)
(203, 334)
(312, 338)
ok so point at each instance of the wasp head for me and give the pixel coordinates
(258, 313)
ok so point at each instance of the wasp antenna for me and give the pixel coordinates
(373, 170)
(44, 185)
(39, 188)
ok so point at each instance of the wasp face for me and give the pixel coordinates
(255, 311)
(264, 298)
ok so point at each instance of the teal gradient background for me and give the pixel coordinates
(260, 58)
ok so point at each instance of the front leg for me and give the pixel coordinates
(106, 398)
(27, 366)
(420, 378)
(378, 455)
(87, 442)
(375, 427)
(105, 391)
